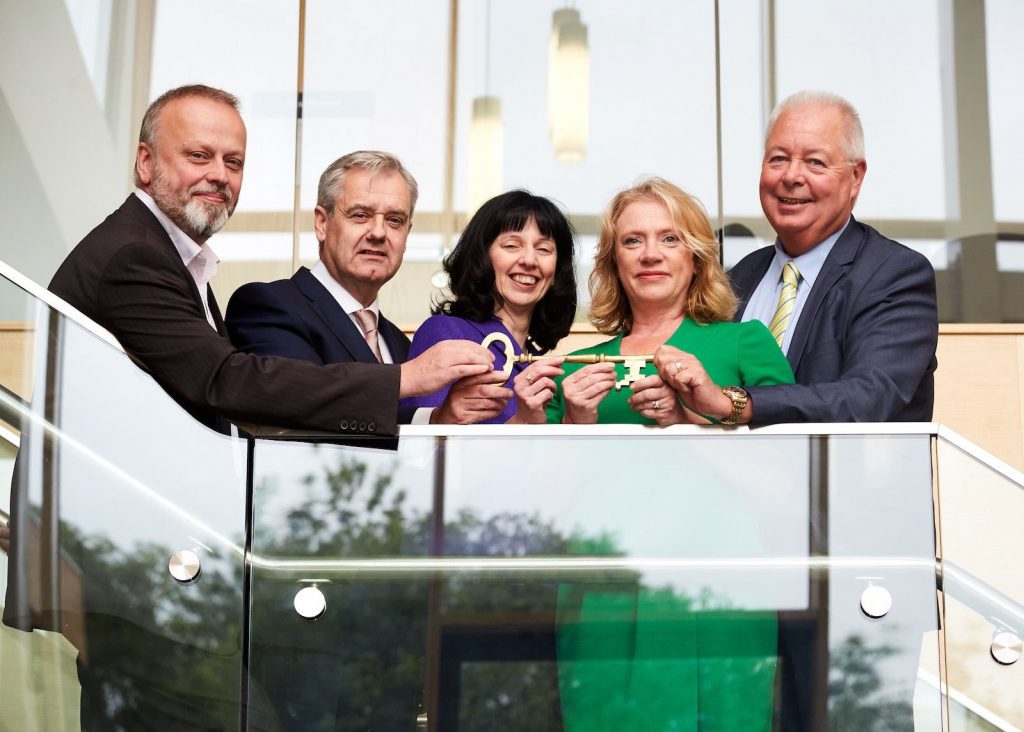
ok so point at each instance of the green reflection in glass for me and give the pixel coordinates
(372, 642)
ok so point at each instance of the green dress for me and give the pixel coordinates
(733, 354)
(646, 658)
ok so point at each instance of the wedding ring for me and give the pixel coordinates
(657, 403)
(679, 367)
(529, 378)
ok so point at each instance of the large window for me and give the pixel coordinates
(680, 90)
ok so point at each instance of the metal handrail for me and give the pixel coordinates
(1001, 611)
(11, 414)
(57, 303)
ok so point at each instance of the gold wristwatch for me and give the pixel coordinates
(739, 402)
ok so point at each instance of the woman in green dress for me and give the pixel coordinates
(630, 655)
(658, 288)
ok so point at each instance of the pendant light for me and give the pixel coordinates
(568, 86)
(486, 137)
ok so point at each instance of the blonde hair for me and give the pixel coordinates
(710, 297)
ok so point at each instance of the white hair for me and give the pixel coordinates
(852, 142)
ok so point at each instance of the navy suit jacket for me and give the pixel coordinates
(299, 318)
(864, 346)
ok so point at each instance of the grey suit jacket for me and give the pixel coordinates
(864, 347)
(128, 277)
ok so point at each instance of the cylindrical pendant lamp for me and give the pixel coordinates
(568, 86)
(486, 151)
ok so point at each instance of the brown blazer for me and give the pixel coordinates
(128, 277)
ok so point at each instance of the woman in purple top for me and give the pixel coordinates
(512, 272)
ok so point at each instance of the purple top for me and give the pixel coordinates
(439, 328)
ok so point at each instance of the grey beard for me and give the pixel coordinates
(202, 221)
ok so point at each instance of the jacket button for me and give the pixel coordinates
(344, 424)
(362, 426)
(372, 426)
(353, 426)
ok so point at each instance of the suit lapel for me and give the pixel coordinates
(336, 319)
(745, 281)
(136, 209)
(394, 338)
(218, 319)
(835, 267)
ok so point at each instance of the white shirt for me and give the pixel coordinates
(200, 261)
(349, 304)
(765, 298)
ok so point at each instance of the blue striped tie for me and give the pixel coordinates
(787, 302)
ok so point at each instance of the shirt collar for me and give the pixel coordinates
(187, 249)
(344, 298)
(809, 263)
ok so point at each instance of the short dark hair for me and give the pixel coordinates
(474, 295)
(151, 119)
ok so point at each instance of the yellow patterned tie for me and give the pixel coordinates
(787, 302)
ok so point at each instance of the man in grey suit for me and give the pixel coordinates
(856, 315)
(854, 312)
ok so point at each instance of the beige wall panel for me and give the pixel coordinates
(16, 357)
(975, 500)
(232, 275)
(978, 388)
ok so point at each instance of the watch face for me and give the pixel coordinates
(739, 399)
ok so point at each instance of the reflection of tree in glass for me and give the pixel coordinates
(155, 653)
(856, 700)
(348, 512)
(362, 665)
(504, 693)
(510, 680)
(487, 621)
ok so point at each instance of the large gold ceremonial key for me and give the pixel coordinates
(634, 364)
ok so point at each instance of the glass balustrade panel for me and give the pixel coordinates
(981, 508)
(579, 581)
(114, 487)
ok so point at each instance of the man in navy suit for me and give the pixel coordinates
(365, 203)
(861, 329)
